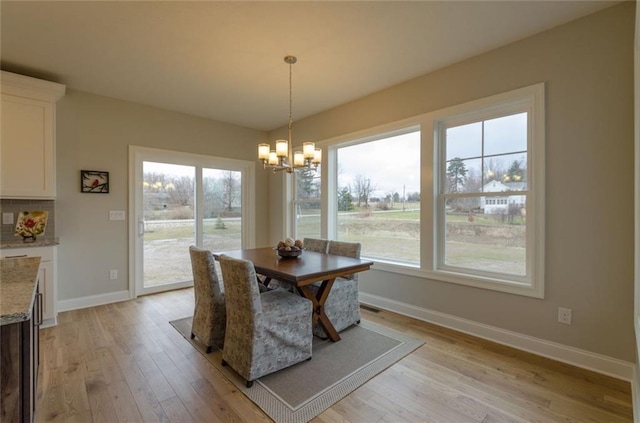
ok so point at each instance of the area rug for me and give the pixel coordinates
(301, 392)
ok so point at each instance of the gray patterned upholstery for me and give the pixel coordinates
(209, 314)
(265, 332)
(317, 245)
(343, 305)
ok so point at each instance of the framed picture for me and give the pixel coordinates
(94, 181)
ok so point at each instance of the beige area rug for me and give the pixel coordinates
(301, 392)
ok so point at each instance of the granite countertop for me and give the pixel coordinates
(18, 281)
(41, 242)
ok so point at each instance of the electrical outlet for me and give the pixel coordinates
(7, 218)
(564, 315)
(113, 274)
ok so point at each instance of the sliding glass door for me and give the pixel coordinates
(179, 200)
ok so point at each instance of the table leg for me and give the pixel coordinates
(319, 300)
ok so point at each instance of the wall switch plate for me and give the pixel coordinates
(116, 215)
(7, 218)
(113, 274)
(564, 315)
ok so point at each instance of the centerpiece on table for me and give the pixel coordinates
(290, 248)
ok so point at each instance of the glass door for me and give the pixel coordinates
(168, 201)
(178, 200)
(222, 209)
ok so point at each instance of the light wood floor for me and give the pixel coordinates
(124, 362)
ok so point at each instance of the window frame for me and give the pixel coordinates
(431, 219)
(531, 100)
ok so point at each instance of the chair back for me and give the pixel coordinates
(206, 280)
(345, 249)
(242, 294)
(316, 245)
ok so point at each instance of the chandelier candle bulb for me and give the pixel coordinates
(273, 158)
(263, 151)
(282, 148)
(308, 148)
(317, 156)
(298, 158)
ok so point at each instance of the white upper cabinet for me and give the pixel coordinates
(27, 136)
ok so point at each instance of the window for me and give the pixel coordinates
(489, 185)
(455, 195)
(307, 202)
(377, 198)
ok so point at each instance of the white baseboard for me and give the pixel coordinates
(581, 358)
(92, 300)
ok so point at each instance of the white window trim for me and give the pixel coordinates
(534, 96)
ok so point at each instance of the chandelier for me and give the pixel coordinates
(283, 157)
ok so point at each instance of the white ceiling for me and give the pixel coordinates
(224, 60)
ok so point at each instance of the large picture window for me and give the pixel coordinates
(455, 195)
(378, 196)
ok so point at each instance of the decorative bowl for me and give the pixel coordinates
(289, 254)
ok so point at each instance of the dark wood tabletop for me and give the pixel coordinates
(308, 268)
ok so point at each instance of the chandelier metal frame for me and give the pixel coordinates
(283, 158)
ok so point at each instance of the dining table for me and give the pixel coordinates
(300, 272)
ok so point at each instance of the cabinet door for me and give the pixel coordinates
(27, 148)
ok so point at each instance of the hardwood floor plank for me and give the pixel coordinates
(102, 408)
(176, 411)
(217, 403)
(125, 362)
(83, 417)
(124, 403)
(159, 385)
(148, 406)
(197, 407)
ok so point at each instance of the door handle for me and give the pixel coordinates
(140, 227)
(40, 312)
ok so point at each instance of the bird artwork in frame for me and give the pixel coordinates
(94, 181)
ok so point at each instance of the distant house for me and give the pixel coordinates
(500, 204)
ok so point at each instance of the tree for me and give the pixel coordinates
(307, 184)
(230, 189)
(345, 199)
(363, 189)
(493, 170)
(413, 197)
(515, 173)
(213, 196)
(181, 193)
(456, 175)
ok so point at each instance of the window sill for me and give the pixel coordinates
(499, 285)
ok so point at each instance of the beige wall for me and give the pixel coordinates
(588, 69)
(94, 133)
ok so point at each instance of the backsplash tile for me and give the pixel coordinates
(16, 206)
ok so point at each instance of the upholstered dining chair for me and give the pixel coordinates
(209, 314)
(315, 244)
(265, 332)
(342, 305)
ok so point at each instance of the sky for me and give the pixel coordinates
(391, 164)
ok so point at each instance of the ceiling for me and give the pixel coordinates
(223, 60)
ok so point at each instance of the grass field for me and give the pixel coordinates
(484, 243)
